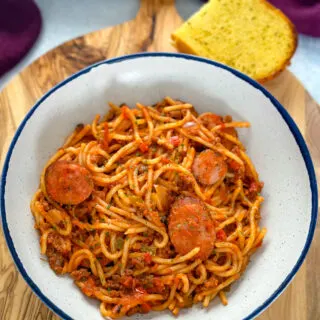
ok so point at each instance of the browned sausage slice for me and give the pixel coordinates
(191, 226)
(208, 167)
(210, 120)
(68, 183)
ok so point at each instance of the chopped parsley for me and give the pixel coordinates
(148, 249)
(119, 243)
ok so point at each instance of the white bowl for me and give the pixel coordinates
(273, 142)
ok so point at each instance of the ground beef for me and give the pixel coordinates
(212, 282)
(80, 275)
(59, 243)
(56, 259)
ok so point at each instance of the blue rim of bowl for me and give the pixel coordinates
(285, 115)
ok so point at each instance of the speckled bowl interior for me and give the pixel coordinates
(273, 143)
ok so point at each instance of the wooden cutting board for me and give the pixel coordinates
(149, 31)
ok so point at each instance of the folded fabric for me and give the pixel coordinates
(305, 14)
(20, 24)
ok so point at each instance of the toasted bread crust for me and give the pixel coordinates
(294, 48)
(183, 47)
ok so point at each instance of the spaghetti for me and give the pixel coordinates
(151, 208)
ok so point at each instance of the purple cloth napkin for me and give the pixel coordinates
(305, 14)
(20, 24)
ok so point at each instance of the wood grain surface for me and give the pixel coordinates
(149, 31)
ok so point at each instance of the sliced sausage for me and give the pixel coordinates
(208, 167)
(191, 226)
(68, 183)
(210, 120)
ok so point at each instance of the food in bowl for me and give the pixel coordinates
(151, 208)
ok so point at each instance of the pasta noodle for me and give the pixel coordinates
(151, 208)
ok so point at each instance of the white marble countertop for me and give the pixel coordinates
(64, 20)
